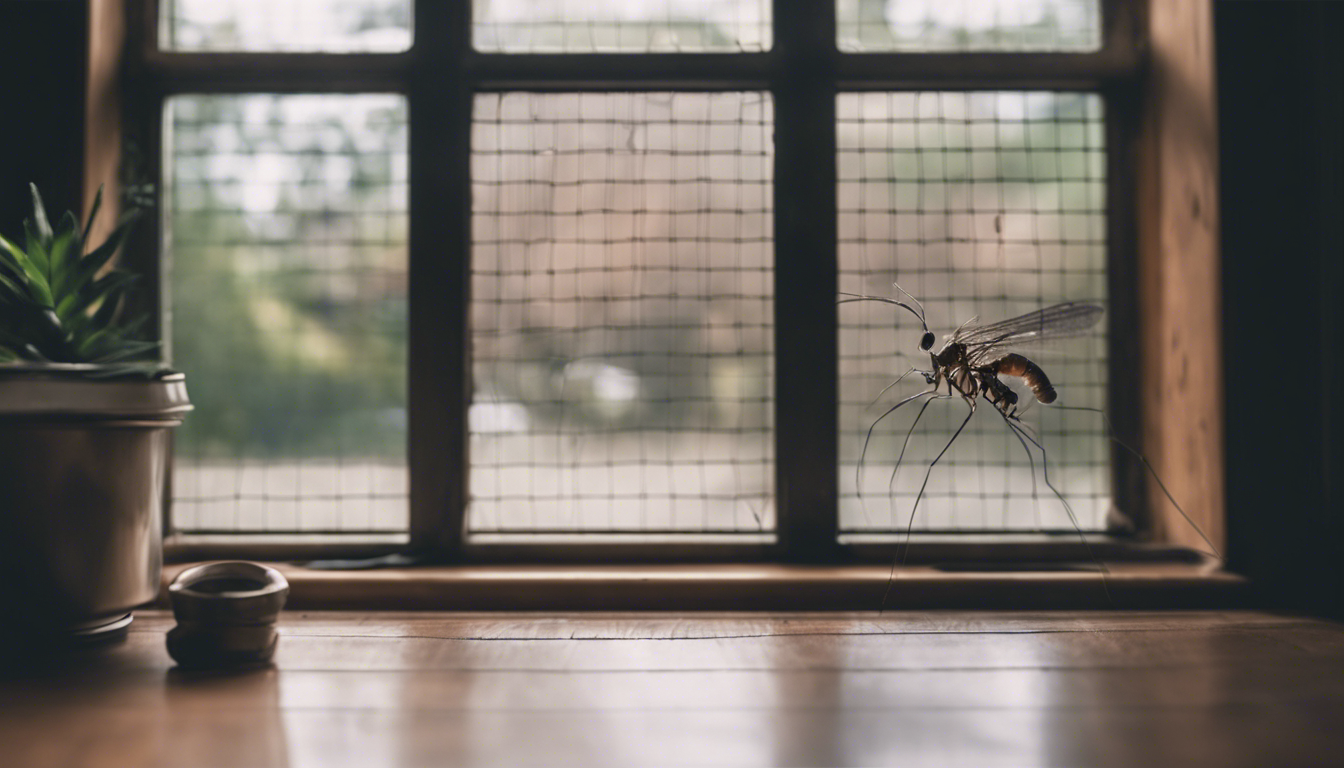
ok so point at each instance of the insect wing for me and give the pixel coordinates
(1060, 321)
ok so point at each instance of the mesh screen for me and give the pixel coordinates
(610, 26)
(968, 25)
(330, 26)
(979, 204)
(621, 312)
(286, 245)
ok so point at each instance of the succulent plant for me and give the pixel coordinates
(61, 304)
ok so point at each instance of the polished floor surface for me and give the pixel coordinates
(908, 689)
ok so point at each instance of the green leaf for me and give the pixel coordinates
(87, 346)
(128, 350)
(40, 215)
(59, 304)
(111, 301)
(91, 264)
(61, 247)
(77, 303)
(93, 214)
(46, 332)
(12, 256)
(14, 294)
(37, 250)
(51, 317)
(38, 289)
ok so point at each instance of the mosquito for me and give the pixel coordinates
(972, 364)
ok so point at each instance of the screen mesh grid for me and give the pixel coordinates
(621, 315)
(285, 245)
(621, 26)
(980, 204)
(963, 26)
(291, 26)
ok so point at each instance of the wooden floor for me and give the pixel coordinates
(908, 689)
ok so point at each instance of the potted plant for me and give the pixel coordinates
(86, 412)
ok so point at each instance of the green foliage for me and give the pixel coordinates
(288, 312)
(59, 303)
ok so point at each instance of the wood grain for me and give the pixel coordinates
(102, 113)
(759, 586)
(918, 688)
(1179, 276)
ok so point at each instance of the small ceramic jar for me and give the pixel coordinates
(226, 614)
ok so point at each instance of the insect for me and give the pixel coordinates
(972, 365)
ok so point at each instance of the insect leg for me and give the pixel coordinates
(905, 548)
(858, 470)
(910, 524)
(891, 483)
(1026, 428)
(1110, 434)
(898, 380)
(1031, 463)
(1045, 473)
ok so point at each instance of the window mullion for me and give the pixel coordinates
(440, 211)
(805, 280)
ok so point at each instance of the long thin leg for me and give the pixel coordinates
(891, 483)
(1031, 463)
(891, 578)
(885, 389)
(1110, 434)
(858, 470)
(1026, 428)
(1045, 473)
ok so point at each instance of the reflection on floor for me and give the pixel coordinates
(936, 689)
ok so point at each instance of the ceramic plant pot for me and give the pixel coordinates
(82, 483)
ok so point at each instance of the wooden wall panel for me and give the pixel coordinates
(1179, 275)
(102, 110)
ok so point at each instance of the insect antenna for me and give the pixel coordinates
(918, 313)
(1110, 434)
(909, 526)
(923, 316)
(1022, 435)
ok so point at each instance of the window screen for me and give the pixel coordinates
(988, 205)
(286, 249)
(611, 26)
(621, 316)
(292, 26)
(925, 26)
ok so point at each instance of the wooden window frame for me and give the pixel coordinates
(1153, 73)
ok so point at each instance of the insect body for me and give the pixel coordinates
(972, 364)
(975, 357)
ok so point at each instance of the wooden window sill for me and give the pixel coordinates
(752, 587)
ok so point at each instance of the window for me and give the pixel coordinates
(519, 279)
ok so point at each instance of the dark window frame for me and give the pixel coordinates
(803, 70)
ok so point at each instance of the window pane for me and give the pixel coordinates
(621, 312)
(286, 242)
(984, 205)
(968, 25)
(331, 26)
(606, 26)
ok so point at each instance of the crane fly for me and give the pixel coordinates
(972, 364)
